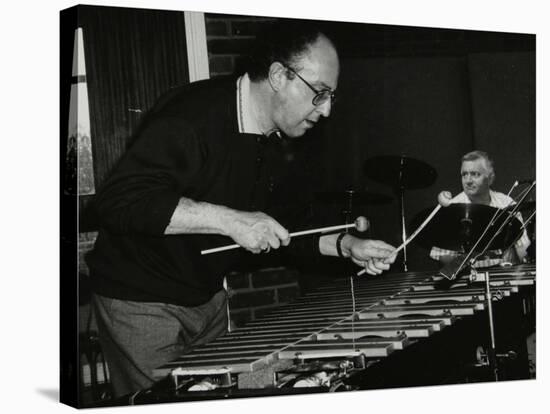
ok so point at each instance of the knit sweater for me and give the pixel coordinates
(188, 146)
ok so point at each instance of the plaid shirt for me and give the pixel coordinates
(491, 257)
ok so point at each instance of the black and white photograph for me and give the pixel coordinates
(295, 207)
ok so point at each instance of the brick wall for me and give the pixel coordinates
(228, 39)
(252, 295)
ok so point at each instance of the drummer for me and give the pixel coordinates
(478, 174)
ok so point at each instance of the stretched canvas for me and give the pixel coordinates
(410, 102)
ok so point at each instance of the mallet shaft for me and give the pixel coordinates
(295, 234)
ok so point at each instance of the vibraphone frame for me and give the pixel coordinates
(401, 329)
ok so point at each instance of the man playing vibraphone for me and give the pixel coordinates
(203, 166)
(478, 174)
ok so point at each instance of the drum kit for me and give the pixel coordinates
(459, 225)
(456, 227)
(469, 229)
(400, 173)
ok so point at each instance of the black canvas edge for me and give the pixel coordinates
(68, 286)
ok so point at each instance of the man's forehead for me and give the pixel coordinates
(474, 165)
(321, 63)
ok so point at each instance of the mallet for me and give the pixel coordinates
(361, 224)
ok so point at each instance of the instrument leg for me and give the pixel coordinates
(492, 348)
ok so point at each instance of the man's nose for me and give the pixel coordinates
(325, 108)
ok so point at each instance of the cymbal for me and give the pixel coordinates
(357, 197)
(464, 223)
(400, 171)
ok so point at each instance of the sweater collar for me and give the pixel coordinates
(245, 118)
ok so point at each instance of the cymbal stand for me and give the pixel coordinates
(349, 209)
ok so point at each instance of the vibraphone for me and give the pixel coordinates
(319, 341)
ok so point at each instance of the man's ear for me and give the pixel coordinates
(277, 75)
(491, 178)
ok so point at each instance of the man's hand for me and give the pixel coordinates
(374, 255)
(256, 231)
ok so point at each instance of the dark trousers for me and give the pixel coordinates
(137, 337)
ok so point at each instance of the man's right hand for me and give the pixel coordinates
(256, 231)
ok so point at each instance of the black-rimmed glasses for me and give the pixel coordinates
(321, 96)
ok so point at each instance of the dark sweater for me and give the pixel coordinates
(188, 146)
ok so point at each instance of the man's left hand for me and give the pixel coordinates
(374, 255)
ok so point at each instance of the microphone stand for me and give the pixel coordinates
(453, 268)
(508, 220)
(452, 272)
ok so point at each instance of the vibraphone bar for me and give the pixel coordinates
(392, 312)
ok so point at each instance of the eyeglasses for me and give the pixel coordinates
(321, 96)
